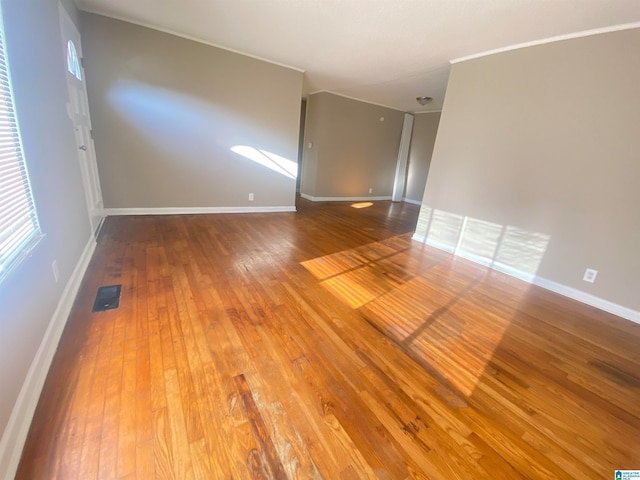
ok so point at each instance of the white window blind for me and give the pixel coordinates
(19, 228)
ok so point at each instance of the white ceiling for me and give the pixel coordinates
(381, 51)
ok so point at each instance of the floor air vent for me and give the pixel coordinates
(107, 298)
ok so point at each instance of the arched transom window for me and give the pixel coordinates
(73, 64)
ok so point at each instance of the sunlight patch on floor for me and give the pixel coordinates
(361, 205)
(422, 304)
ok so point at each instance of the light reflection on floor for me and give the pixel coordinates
(408, 291)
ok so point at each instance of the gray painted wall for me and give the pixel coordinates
(29, 296)
(352, 149)
(167, 111)
(545, 140)
(423, 137)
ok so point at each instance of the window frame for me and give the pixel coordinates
(73, 62)
(20, 229)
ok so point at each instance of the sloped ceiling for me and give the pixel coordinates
(381, 51)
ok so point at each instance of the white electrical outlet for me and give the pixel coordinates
(590, 275)
(251, 197)
(371, 190)
(54, 268)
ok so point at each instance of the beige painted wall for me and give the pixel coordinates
(545, 139)
(167, 111)
(423, 137)
(352, 149)
(29, 296)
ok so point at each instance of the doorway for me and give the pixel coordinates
(303, 116)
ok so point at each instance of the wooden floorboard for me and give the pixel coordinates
(327, 344)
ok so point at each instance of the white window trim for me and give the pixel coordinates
(19, 226)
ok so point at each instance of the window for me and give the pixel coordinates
(73, 64)
(19, 227)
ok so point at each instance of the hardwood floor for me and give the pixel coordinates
(327, 344)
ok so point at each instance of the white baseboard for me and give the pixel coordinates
(589, 299)
(345, 199)
(17, 429)
(419, 238)
(547, 284)
(413, 202)
(194, 210)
